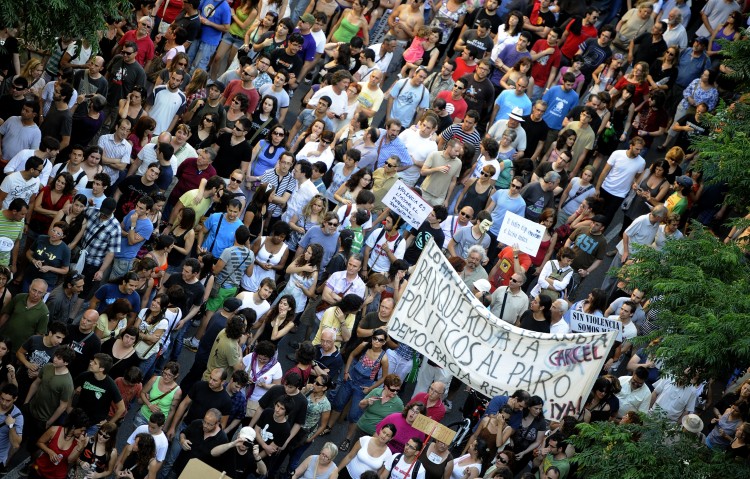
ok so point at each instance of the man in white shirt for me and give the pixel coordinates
(625, 316)
(167, 102)
(47, 151)
(305, 191)
(384, 52)
(405, 465)
(633, 395)
(154, 428)
(619, 174)
(674, 32)
(383, 246)
(509, 302)
(557, 324)
(116, 156)
(336, 91)
(420, 142)
(22, 184)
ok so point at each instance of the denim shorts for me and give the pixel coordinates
(233, 40)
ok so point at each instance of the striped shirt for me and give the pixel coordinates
(287, 184)
(472, 138)
(386, 149)
(112, 149)
(101, 237)
(236, 260)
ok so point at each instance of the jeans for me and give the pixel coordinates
(120, 267)
(537, 93)
(174, 450)
(200, 54)
(298, 9)
(177, 337)
(611, 281)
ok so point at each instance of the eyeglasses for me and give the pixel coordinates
(246, 73)
(515, 186)
(501, 459)
(514, 280)
(239, 130)
(325, 142)
(485, 174)
(127, 53)
(332, 223)
(19, 88)
(458, 87)
(210, 120)
(278, 133)
(465, 215)
(410, 447)
(393, 390)
(380, 340)
(318, 384)
(268, 64)
(390, 165)
(235, 180)
(104, 434)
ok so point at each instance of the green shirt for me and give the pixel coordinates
(562, 464)
(22, 322)
(225, 353)
(52, 389)
(359, 238)
(200, 209)
(377, 411)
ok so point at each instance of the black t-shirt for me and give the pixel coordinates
(57, 123)
(98, 85)
(575, 115)
(85, 345)
(205, 398)
(258, 124)
(683, 139)
(296, 415)
(119, 366)
(281, 59)
(483, 45)
(545, 167)
(536, 131)
(272, 431)
(230, 156)
(238, 465)
(36, 353)
(9, 106)
(421, 238)
(200, 447)
(96, 396)
(536, 200)
(645, 50)
(193, 292)
(123, 77)
(191, 24)
(530, 324)
(479, 96)
(132, 189)
(473, 18)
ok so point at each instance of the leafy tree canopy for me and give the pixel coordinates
(41, 21)
(657, 448)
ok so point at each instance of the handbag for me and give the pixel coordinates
(557, 274)
(144, 350)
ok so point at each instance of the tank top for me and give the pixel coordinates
(346, 31)
(174, 256)
(89, 455)
(235, 29)
(155, 396)
(311, 472)
(474, 199)
(44, 466)
(131, 464)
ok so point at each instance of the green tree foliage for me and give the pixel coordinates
(701, 292)
(725, 153)
(40, 21)
(655, 449)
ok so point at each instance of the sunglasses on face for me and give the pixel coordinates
(393, 390)
(332, 223)
(485, 174)
(235, 180)
(389, 165)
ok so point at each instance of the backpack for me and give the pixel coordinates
(414, 469)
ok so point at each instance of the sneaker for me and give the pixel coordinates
(196, 323)
(345, 445)
(448, 405)
(191, 344)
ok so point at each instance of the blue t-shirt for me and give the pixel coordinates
(218, 12)
(109, 293)
(5, 431)
(307, 53)
(496, 404)
(330, 243)
(559, 103)
(143, 227)
(508, 100)
(225, 237)
(407, 98)
(504, 203)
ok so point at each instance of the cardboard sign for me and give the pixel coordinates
(525, 233)
(403, 201)
(440, 318)
(434, 429)
(581, 322)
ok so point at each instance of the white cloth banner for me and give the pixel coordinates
(440, 318)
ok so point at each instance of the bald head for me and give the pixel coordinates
(165, 137)
(89, 319)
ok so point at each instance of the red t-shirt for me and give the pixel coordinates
(641, 89)
(541, 68)
(234, 87)
(436, 412)
(573, 41)
(462, 69)
(505, 267)
(459, 106)
(145, 46)
(169, 10)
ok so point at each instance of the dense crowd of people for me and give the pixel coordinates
(212, 176)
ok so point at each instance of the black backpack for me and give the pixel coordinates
(414, 470)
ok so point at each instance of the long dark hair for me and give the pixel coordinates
(545, 302)
(316, 258)
(146, 450)
(163, 303)
(8, 358)
(274, 311)
(187, 219)
(353, 180)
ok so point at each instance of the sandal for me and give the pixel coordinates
(345, 445)
(326, 431)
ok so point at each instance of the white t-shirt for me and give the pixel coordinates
(84, 54)
(79, 175)
(320, 41)
(247, 302)
(624, 170)
(382, 63)
(378, 259)
(18, 163)
(16, 187)
(628, 330)
(326, 157)
(162, 443)
(344, 221)
(267, 378)
(364, 462)
(339, 102)
(403, 470)
(299, 199)
(166, 104)
(481, 162)
(419, 149)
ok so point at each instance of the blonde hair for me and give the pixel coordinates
(676, 154)
(29, 67)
